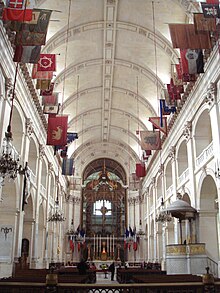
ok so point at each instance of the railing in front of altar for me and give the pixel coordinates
(186, 287)
(104, 248)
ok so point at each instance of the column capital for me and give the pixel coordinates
(187, 130)
(111, 2)
(161, 169)
(211, 94)
(76, 200)
(141, 198)
(153, 181)
(41, 151)
(50, 168)
(131, 201)
(57, 180)
(172, 153)
(147, 191)
(8, 86)
(29, 127)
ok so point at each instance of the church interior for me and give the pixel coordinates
(110, 137)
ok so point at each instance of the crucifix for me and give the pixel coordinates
(104, 211)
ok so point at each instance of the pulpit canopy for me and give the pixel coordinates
(181, 209)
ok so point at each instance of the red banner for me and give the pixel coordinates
(17, 15)
(41, 74)
(140, 170)
(57, 130)
(48, 92)
(47, 62)
(50, 100)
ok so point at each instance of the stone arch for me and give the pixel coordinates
(146, 242)
(151, 198)
(44, 173)
(202, 132)
(208, 213)
(18, 124)
(10, 198)
(41, 233)
(168, 175)
(151, 240)
(32, 156)
(182, 158)
(186, 198)
(28, 223)
(159, 188)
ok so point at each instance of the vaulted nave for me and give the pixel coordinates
(110, 134)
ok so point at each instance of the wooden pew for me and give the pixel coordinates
(125, 275)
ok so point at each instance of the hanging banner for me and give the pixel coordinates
(50, 100)
(50, 109)
(159, 123)
(17, 15)
(27, 38)
(210, 10)
(43, 84)
(27, 54)
(140, 170)
(150, 140)
(67, 167)
(184, 36)
(57, 130)
(203, 24)
(166, 110)
(41, 74)
(192, 61)
(47, 62)
(48, 92)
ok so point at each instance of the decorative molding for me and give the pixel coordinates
(211, 94)
(57, 180)
(147, 191)
(161, 169)
(50, 168)
(131, 201)
(76, 200)
(8, 84)
(29, 127)
(140, 198)
(153, 181)
(41, 151)
(172, 153)
(187, 131)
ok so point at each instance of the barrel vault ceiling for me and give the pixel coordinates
(114, 59)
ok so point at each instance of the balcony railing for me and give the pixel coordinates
(187, 287)
(183, 177)
(203, 158)
(32, 177)
(169, 192)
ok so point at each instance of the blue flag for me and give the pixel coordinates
(71, 136)
(67, 167)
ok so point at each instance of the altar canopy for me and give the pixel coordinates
(104, 199)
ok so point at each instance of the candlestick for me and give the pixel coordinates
(107, 245)
(94, 248)
(113, 243)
